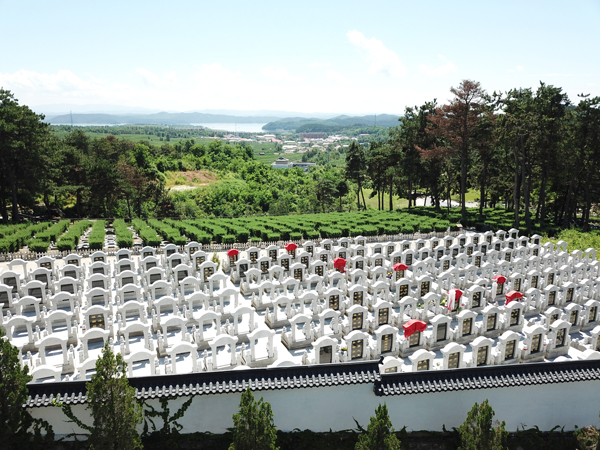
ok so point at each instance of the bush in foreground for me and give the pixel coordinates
(112, 405)
(477, 432)
(380, 433)
(253, 427)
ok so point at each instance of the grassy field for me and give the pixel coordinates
(576, 240)
(372, 202)
(472, 195)
(190, 180)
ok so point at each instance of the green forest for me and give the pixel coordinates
(531, 152)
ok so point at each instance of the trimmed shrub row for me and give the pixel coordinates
(70, 239)
(271, 228)
(167, 232)
(7, 230)
(54, 231)
(42, 240)
(124, 234)
(191, 231)
(147, 234)
(96, 239)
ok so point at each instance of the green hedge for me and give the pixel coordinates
(168, 233)
(42, 240)
(39, 246)
(228, 239)
(54, 232)
(273, 236)
(96, 239)
(147, 234)
(13, 242)
(70, 239)
(124, 234)
(191, 231)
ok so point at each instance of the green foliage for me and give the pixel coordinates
(53, 232)
(70, 239)
(477, 432)
(576, 239)
(168, 233)
(253, 427)
(380, 433)
(41, 242)
(588, 438)
(123, 233)
(112, 404)
(15, 421)
(310, 440)
(535, 439)
(96, 238)
(216, 260)
(147, 234)
(228, 239)
(39, 246)
(167, 436)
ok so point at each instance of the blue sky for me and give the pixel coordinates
(344, 57)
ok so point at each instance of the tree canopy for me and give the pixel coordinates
(380, 433)
(112, 405)
(253, 427)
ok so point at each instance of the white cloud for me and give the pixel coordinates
(33, 81)
(336, 76)
(382, 59)
(212, 86)
(279, 74)
(517, 69)
(37, 88)
(320, 64)
(151, 79)
(439, 71)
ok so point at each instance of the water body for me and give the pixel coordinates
(233, 127)
(92, 124)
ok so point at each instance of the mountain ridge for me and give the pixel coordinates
(187, 118)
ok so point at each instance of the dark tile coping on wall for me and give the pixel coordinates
(488, 377)
(218, 382)
(323, 375)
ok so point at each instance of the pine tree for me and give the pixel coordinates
(380, 433)
(16, 424)
(356, 166)
(112, 405)
(253, 427)
(477, 432)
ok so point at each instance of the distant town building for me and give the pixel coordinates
(313, 135)
(284, 163)
(280, 163)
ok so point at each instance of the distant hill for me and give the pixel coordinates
(162, 118)
(334, 124)
(273, 122)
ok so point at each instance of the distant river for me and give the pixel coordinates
(233, 127)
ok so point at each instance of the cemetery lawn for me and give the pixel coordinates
(576, 240)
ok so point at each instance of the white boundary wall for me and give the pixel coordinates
(324, 408)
